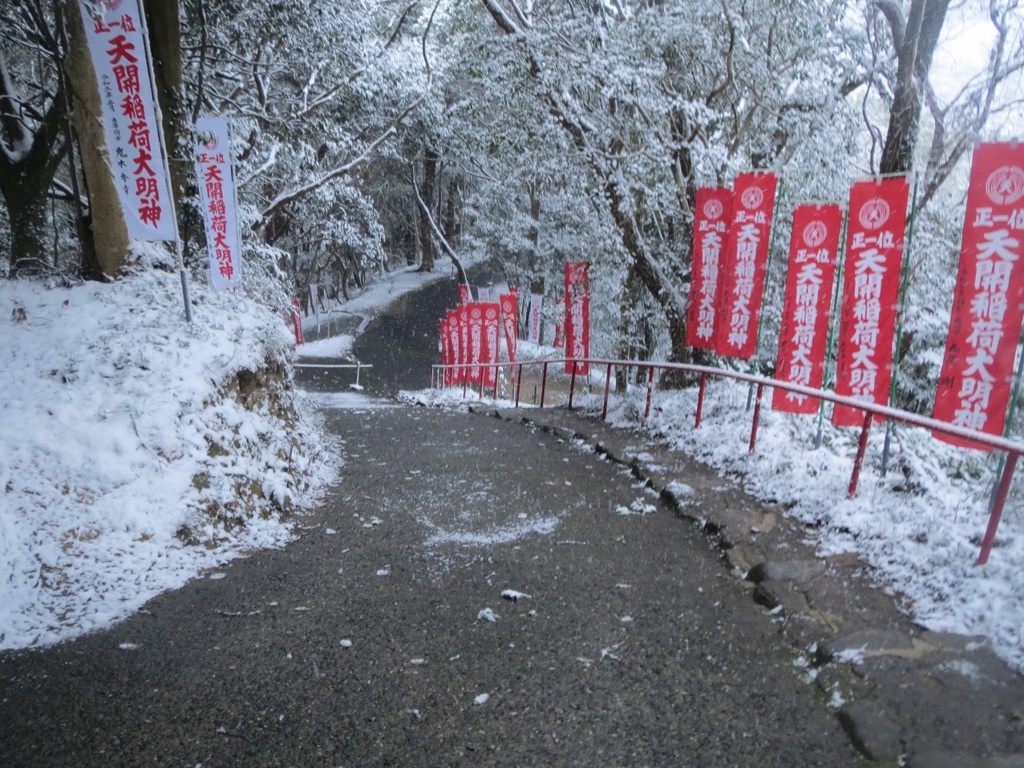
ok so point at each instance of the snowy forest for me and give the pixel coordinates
(371, 137)
(374, 134)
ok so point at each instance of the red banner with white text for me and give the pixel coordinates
(710, 232)
(489, 353)
(446, 357)
(984, 327)
(577, 316)
(803, 338)
(741, 281)
(453, 346)
(475, 349)
(875, 236)
(510, 322)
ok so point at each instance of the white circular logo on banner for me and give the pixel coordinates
(815, 234)
(713, 209)
(1006, 185)
(752, 198)
(874, 213)
(475, 313)
(491, 313)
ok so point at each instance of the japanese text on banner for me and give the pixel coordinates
(577, 317)
(803, 337)
(985, 323)
(217, 195)
(871, 284)
(510, 322)
(741, 284)
(489, 354)
(710, 231)
(117, 47)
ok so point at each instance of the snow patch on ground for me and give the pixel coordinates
(129, 463)
(499, 534)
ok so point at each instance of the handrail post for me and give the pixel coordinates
(700, 399)
(862, 447)
(497, 377)
(757, 418)
(607, 385)
(465, 382)
(572, 384)
(997, 508)
(481, 383)
(650, 391)
(519, 384)
(543, 383)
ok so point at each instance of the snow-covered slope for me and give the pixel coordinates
(137, 450)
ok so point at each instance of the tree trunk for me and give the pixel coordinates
(26, 174)
(533, 234)
(428, 195)
(164, 29)
(110, 233)
(915, 47)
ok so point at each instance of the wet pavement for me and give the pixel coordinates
(369, 641)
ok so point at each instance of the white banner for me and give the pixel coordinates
(117, 44)
(217, 196)
(535, 320)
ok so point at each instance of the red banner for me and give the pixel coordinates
(510, 322)
(984, 327)
(445, 351)
(710, 232)
(577, 316)
(871, 285)
(464, 297)
(741, 281)
(297, 321)
(453, 346)
(464, 341)
(475, 350)
(803, 338)
(489, 353)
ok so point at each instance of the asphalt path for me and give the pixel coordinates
(381, 636)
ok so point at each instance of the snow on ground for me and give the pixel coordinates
(129, 464)
(127, 467)
(920, 525)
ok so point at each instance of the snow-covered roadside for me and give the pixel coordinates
(920, 526)
(129, 462)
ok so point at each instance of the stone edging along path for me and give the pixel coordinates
(904, 696)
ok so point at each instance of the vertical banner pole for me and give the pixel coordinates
(833, 328)
(764, 290)
(607, 385)
(700, 399)
(1011, 415)
(1002, 492)
(901, 309)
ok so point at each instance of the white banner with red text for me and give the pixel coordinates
(117, 45)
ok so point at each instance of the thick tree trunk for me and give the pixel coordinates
(28, 162)
(110, 234)
(915, 46)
